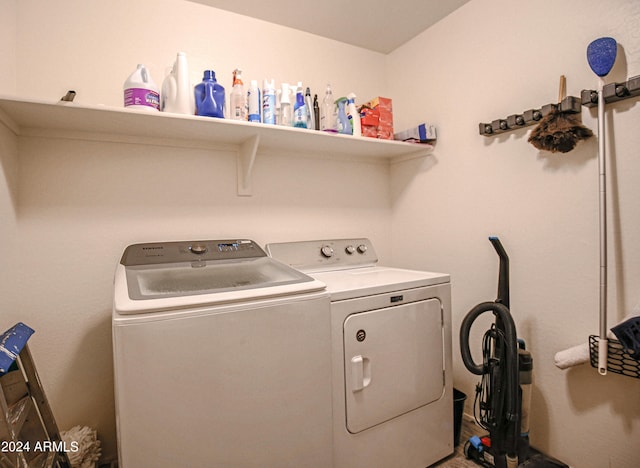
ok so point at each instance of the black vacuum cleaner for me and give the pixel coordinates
(503, 396)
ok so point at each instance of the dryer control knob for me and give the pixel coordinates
(350, 249)
(362, 248)
(326, 251)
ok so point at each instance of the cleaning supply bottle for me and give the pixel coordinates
(209, 96)
(299, 110)
(253, 102)
(278, 99)
(285, 106)
(344, 126)
(311, 121)
(328, 115)
(269, 102)
(140, 92)
(238, 98)
(177, 96)
(316, 112)
(353, 115)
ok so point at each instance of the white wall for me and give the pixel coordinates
(488, 60)
(77, 204)
(101, 43)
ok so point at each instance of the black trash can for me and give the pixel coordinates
(458, 408)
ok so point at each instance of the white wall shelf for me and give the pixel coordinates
(102, 123)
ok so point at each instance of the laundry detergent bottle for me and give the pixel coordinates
(140, 92)
(177, 96)
(209, 96)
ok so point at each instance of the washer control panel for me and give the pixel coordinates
(324, 254)
(190, 251)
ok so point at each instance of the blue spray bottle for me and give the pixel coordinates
(344, 126)
(300, 110)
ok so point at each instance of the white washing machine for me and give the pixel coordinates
(391, 335)
(222, 358)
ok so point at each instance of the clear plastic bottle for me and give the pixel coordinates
(285, 106)
(328, 112)
(278, 117)
(238, 98)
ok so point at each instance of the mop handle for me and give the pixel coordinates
(602, 341)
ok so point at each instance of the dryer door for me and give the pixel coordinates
(394, 362)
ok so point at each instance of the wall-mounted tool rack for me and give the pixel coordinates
(613, 92)
(569, 105)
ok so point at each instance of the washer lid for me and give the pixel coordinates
(188, 279)
(180, 274)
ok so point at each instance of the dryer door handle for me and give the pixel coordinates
(360, 373)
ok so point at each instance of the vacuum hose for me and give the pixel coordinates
(511, 355)
(500, 351)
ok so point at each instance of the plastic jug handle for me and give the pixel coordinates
(170, 89)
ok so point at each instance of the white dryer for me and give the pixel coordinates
(391, 350)
(222, 359)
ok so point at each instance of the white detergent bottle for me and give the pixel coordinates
(140, 92)
(353, 115)
(177, 95)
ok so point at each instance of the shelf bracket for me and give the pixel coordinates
(245, 159)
